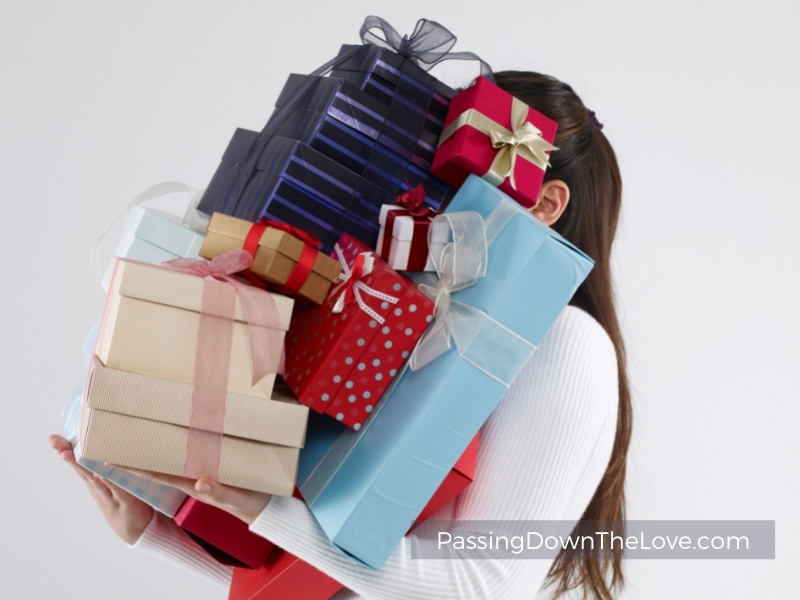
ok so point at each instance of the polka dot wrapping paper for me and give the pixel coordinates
(340, 364)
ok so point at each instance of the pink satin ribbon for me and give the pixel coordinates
(213, 350)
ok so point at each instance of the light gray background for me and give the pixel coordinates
(102, 99)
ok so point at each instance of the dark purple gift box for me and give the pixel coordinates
(300, 186)
(389, 77)
(346, 125)
(408, 131)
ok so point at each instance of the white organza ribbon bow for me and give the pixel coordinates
(478, 338)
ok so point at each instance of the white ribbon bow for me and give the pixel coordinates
(350, 283)
(478, 338)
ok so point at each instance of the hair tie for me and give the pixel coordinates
(593, 120)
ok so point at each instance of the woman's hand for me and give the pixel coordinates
(126, 514)
(243, 504)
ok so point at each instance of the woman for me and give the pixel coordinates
(554, 449)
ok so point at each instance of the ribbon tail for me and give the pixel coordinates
(488, 345)
(434, 342)
(266, 334)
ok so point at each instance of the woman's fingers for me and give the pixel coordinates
(182, 483)
(244, 504)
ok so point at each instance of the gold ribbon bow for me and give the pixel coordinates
(524, 139)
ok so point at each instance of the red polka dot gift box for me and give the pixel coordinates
(341, 356)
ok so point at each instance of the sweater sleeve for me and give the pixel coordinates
(543, 452)
(163, 538)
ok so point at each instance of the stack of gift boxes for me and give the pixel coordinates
(374, 208)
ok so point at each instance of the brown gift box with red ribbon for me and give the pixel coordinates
(283, 256)
(182, 380)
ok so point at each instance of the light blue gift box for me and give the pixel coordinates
(162, 497)
(371, 484)
(153, 236)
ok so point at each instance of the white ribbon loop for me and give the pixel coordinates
(479, 339)
(348, 281)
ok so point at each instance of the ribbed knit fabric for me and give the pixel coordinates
(165, 539)
(543, 452)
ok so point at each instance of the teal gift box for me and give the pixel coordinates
(153, 236)
(511, 278)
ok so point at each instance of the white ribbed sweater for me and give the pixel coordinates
(542, 454)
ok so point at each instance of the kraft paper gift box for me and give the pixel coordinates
(154, 236)
(373, 483)
(282, 576)
(224, 536)
(144, 422)
(147, 407)
(163, 498)
(293, 183)
(490, 133)
(280, 257)
(151, 322)
(406, 241)
(340, 362)
(338, 117)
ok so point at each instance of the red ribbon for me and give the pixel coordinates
(418, 253)
(213, 350)
(412, 200)
(305, 264)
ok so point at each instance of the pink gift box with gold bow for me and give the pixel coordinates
(498, 137)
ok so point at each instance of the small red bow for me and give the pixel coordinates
(412, 200)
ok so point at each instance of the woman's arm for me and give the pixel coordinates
(543, 451)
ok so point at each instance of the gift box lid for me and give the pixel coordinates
(353, 203)
(163, 230)
(280, 420)
(396, 70)
(161, 285)
(337, 98)
(278, 251)
(152, 322)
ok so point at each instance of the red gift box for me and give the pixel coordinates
(496, 136)
(225, 537)
(283, 576)
(342, 355)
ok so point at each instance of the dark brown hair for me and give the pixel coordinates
(586, 162)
